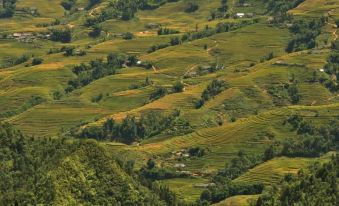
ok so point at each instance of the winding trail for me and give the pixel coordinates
(334, 33)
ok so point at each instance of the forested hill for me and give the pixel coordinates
(63, 172)
(169, 102)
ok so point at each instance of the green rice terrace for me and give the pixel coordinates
(169, 102)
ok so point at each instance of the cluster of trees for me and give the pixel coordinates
(285, 93)
(311, 141)
(15, 61)
(96, 69)
(279, 8)
(220, 12)
(31, 102)
(239, 165)
(196, 151)
(191, 7)
(166, 31)
(207, 32)
(57, 171)
(7, 8)
(122, 9)
(68, 4)
(131, 128)
(61, 35)
(96, 31)
(213, 89)
(316, 186)
(332, 68)
(224, 187)
(305, 34)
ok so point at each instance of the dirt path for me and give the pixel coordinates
(190, 69)
(154, 69)
(334, 33)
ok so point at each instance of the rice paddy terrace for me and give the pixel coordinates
(251, 57)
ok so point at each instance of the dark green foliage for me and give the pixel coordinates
(96, 69)
(332, 68)
(127, 36)
(68, 4)
(305, 34)
(57, 95)
(92, 3)
(7, 8)
(213, 89)
(62, 35)
(131, 129)
(37, 61)
(166, 31)
(311, 141)
(175, 41)
(316, 187)
(97, 98)
(269, 154)
(191, 7)
(96, 31)
(239, 165)
(23, 58)
(224, 187)
(196, 151)
(158, 93)
(178, 87)
(69, 51)
(220, 12)
(31, 171)
(279, 8)
(282, 94)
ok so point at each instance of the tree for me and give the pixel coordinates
(62, 35)
(96, 31)
(37, 61)
(175, 41)
(191, 7)
(7, 9)
(150, 164)
(178, 87)
(128, 36)
(269, 153)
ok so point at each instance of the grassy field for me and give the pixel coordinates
(273, 171)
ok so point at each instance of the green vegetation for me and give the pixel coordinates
(316, 186)
(48, 171)
(7, 8)
(213, 89)
(168, 102)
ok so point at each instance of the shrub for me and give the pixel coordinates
(191, 7)
(37, 61)
(96, 31)
(62, 35)
(128, 36)
(178, 87)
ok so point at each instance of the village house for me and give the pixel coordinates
(179, 165)
(240, 15)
